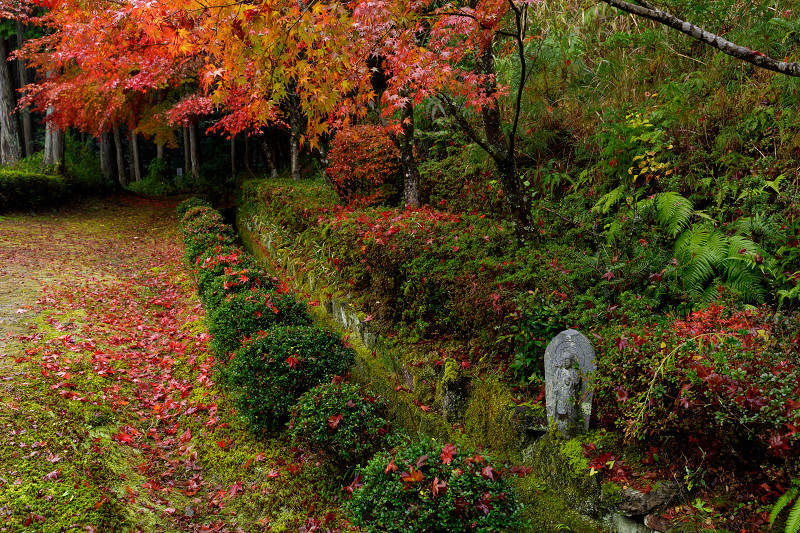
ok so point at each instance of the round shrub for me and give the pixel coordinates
(203, 229)
(433, 488)
(341, 421)
(365, 164)
(274, 368)
(245, 314)
(189, 203)
(199, 211)
(225, 270)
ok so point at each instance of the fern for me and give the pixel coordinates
(673, 211)
(708, 257)
(758, 228)
(609, 200)
(793, 521)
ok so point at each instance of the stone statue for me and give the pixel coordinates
(566, 394)
(568, 361)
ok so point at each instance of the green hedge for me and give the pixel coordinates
(273, 369)
(247, 313)
(25, 189)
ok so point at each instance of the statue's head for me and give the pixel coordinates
(568, 359)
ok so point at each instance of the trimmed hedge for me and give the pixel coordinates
(427, 487)
(339, 419)
(245, 314)
(26, 189)
(274, 368)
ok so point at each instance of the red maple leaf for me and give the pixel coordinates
(437, 486)
(447, 453)
(391, 467)
(334, 421)
(293, 360)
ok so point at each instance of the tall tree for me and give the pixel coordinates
(24, 113)
(10, 149)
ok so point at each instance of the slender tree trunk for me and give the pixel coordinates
(187, 158)
(233, 155)
(502, 151)
(136, 167)
(247, 154)
(24, 114)
(269, 157)
(295, 125)
(53, 156)
(106, 163)
(194, 149)
(10, 148)
(123, 179)
(411, 180)
(160, 151)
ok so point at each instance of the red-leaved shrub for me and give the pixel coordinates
(365, 165)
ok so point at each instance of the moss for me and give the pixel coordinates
(488, 419)
(572, 452)
(562, 465)
(611, 497)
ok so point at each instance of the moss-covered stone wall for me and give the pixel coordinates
(431, 396)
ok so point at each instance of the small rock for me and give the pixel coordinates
(637, 503)
(657, 523)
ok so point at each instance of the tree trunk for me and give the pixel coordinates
(10, 149)
(269, 157)
(194, 149)
(247, 155)
(411, 187)
(53, 156)
(133, 146)
(502, 151)
(160, 151)
(106, 163)
(295, 124)
(24, 114)
(233, 155)
(123, 179)
(187, 157)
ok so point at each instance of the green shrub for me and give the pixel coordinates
(431, 488)
(204, 228)
(293, 205)
(272, 370)
(247, 313)
(340, 420)
(226, 270)
(20, 190)
(189, 203)
(153, 187)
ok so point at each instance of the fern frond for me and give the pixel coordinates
(758, 227)
(744, 280)
(782, 502)
(609, 200)
(793, 522)
(673, 211)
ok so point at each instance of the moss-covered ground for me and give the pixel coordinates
(110, 417)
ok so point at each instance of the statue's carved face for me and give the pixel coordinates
(568, 359)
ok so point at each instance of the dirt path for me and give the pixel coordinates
(109, 417)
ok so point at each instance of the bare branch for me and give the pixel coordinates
(643, 8)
